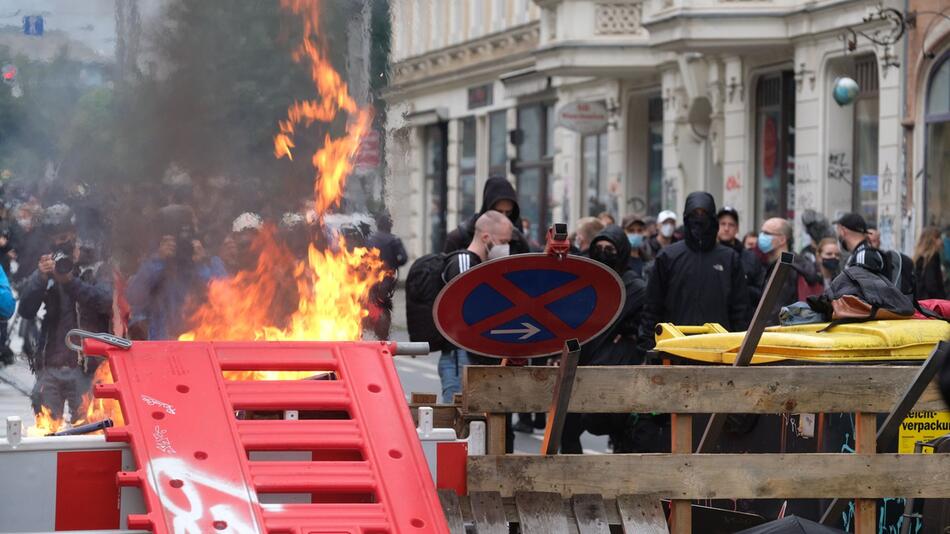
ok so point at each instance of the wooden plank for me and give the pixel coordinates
(681, 511)
(717, 476)
(497, 429)
(557, 413)
(443, 415)
(865, 442)
(452, 510)
(641, 514)
(590, 514)
(541, 513)
(425, 399)
(698, 389)
(488, 512)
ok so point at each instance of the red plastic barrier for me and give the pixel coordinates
(368, 472)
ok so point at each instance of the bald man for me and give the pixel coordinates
(490, 240)
(774, 239)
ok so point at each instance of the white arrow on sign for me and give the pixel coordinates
(528, 331)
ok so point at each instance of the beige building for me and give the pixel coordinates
(728, 96)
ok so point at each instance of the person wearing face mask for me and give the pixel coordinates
(617, 346)
(491, 240)
(76, 291)
(178, 272)
(775, 237)
(829, 260)
(635, 230)
(499, 195)
(665, 234)
(697, 280)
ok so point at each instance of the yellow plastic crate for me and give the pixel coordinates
(905, 340)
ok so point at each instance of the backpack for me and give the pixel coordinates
(860, 294)
(423, 284)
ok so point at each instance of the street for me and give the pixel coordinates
(417, 374)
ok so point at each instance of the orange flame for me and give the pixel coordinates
(331, 286)
(92, 410)
(44, 424)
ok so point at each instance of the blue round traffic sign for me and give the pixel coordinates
(528, 305)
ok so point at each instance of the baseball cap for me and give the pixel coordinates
(665, 215)
(728, 210)
(854, 222)
(631, 219)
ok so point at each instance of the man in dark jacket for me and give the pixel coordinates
(753, 267)
(774, 239)
(697, 280)
(499, 195)
(393, 254)
(77, 293)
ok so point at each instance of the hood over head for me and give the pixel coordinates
(701, 232)
(618, 238)
(499, 188)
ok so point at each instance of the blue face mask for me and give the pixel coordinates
(946, 250)
(765, 242)
(635, 240)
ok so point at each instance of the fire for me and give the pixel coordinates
(44, 424)
(92, 410)
(331, 286)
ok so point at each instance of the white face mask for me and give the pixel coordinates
(498, 251)
(667, 229)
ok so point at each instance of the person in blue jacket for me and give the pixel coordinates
(76, 290)
(7, 302)
(178, 272)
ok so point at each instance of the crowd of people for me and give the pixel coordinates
(67, 266)
(693, 271)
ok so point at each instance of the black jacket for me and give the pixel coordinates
(618, 344)
(697, 280)
(496, 188)
(929, 279)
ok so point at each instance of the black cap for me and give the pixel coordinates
(728, 210)
(629, 220)
(854, 222)
(58, 218)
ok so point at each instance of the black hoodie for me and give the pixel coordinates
(618, 344)
(697, 280)
(496, 188)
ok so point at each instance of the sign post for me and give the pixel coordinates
(533, 305)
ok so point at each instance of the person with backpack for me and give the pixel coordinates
(429, 274)
(499, 195)
(393, 254)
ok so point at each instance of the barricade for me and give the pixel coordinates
(684, 476)
(367, 473)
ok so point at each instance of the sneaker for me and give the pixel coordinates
(524, 427)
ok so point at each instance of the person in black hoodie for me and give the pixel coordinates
(697, 280)
(499, 195)
(615, 346)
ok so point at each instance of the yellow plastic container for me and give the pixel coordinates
(908, 340)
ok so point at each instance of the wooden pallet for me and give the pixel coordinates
(549, 513)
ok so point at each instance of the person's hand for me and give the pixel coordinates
(200, 254)
(46, 266)
(167, 247)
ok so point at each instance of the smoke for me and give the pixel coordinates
(183, 110)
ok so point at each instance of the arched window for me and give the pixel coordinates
(937, 121)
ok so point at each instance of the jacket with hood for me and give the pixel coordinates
(496, 188)
(618, 344)
(697, 280)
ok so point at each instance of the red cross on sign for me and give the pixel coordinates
(528, 305)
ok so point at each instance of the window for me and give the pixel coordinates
(436, 187)
(655, 156)
(937, 119)
(498, 143)
(865, 177)
(594, 174)
(775, 146)
(534, 165)
(467, 143)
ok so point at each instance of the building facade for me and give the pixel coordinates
(729, 96)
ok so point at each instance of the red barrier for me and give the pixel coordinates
(368, 472)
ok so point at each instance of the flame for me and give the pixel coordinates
(331, 286)
(44, 424)
(93, 410)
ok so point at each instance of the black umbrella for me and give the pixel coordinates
(791, 525)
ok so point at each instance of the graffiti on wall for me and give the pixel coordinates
(734, 182)
(839, 167)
